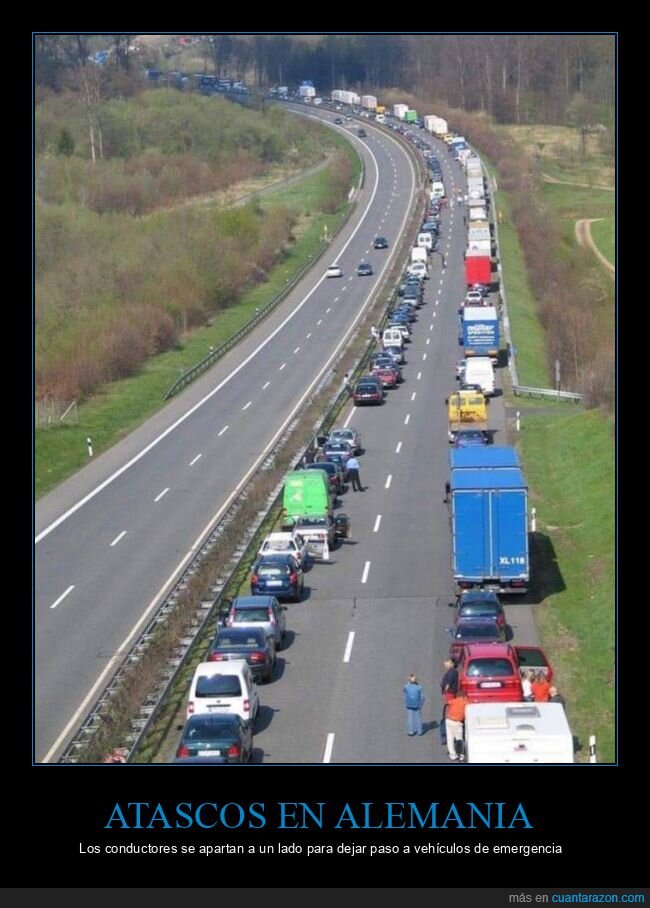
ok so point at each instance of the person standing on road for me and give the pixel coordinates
(556, 697)
(353, 473)
(449, 690)
(541, 688)
(456, 726)
(413, 700)
(526, 686)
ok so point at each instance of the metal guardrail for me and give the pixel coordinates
(524, 391)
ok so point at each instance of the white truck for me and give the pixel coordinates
(517, 733)
(369, 102)
(399, 110)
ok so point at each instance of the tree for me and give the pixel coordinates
(584, 115)
(65, 143)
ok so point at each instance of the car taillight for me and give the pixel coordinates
(517, 583)
(256, 657)
(254, 578)
(293, 577)
(234, 750)
(216, 657)
(190, 707)
(183, 751)
(247, 706)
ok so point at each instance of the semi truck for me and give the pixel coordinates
(399, 110)
(484, 457)
(479, 333)
(489, 529)
(369, 102)
(517, 733)
(478, 267)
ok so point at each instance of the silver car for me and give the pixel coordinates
(351, 435)
(259, 611)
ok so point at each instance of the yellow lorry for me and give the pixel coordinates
(466, 410)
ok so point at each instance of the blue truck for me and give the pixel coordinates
(479, 331)
(483, 457)
(489, 527)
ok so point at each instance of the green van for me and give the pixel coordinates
(306, 492)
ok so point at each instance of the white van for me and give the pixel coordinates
(517, 733)
(479, 371)
(437, 190)
(418, 269)
(224, 688)
(419, 252)
(392, 337)
(426, 241)
(380, 118)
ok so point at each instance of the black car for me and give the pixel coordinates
(361, 133)
(224, 736)
(380, 242)
(335, 474)
(279, 575)
(338, 121)
(364, 269)
(249, 643)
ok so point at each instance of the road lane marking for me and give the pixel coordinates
(388, 481)
(118, 537)
(347, 421)
(319, 322)
(431, 327)
(419, 376)
(399, 447)
(164, 492)
(308, 336)
(265, 385)
(366, 569)
(62, 596)
(282, 367)
(198, 457)
(348, 647)
(434, 314)
(424, 356)
(406, 419)
(428, 341)
(296, 350)
(225, 429)
(375, 529)
(329, 745)
(330, 308)
(246, 406)
(413, 395)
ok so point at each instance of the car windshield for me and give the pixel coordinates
(251, 614)
(479, 610)
(272, 569)
(239, 639)
(490, 668)
(218, 686)
(478, 632)
(202, 728)
(313, 522)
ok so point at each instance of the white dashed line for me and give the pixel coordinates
(413, 395)
(406, 419)
(348, 647)
(441, 282)
(437, 301)
(434, 315)
(308, 336)
(246, 406)
(431, 327)
(296, 350)
(283, 366)
(424, 356)
(319, 321)
(399, 447)
(198, 457)
(118, 537)
(225, 429)
(329, 745)
(428, 341)
(377, 522)
(330, 308)
(366, 570)
(419, 376)
(388, 481)
(265, 385)
(62, 596)
(164, 492)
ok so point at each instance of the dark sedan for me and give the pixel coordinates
(335, 474)
(466, 438)
(277, 575)
(364, 269)
(380, 242)
(225, 736)
(474, 630)
(368, 391)
(249, 643)
(480, 604)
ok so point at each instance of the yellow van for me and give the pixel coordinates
(466, 410)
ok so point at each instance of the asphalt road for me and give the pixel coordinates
(110, 540)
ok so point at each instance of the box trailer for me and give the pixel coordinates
(517, 733)
(478, 268)
(480, 331)
(483, 457)
(369, 102)
(399, 110)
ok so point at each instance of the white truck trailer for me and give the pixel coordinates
(517, 733)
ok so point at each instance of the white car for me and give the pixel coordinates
(334, 271)
(474, 298)
(285, 542)
(418, 269)
(223, 687)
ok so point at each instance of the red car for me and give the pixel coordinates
(369, 390)
(386, 375)
(492, 671)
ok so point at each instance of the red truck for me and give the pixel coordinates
(478, 269)
(492, 671)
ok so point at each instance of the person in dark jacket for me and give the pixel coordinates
(413, 700)
(556, 697)
(448, 689)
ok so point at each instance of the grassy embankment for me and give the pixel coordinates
(124, 404)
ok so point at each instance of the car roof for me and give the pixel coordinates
(488, 651)
(244, 602)
(479, 596)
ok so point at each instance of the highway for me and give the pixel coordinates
(110, 540)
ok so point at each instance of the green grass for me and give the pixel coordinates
(125, 404)
(569, 465)
(602, 233)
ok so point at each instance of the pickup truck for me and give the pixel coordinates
(321, 532)
(493, 671)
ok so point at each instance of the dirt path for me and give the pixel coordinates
(549, 179)
(585, 239)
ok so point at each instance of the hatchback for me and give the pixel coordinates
(217, 736)
(474, 630)
(334, 271)
(380, 242)
(279, 574)
(368, 391)
(220, 688)
(351, 435)
(364, 269)
(249, 643)
(480, 604)
(259, 611)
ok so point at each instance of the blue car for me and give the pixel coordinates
(466, 438)
(277, 574)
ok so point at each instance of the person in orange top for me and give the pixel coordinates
(541, 688)
(455, 723)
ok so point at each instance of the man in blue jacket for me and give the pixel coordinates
(413, 700)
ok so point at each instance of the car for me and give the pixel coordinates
(480, 604)
(279, 574)
(221, 688)
(460, 369)
(474, 298)
(348, 117)
(335, 474)
(386, 375)
(397, 353)
(342, 447)
(285, 542)
(212, 736)
(259, 611)
(338, 121)
(334, 271)
(465, 438)
(364, 269)
(361, 133)
(339, 459)
(430, 226)
(368, 390)
(469, 386)
(380, 242)
(351, 435)
(249, 643)
(420, 269)
(381, 360)
(474, 630)
(403, 327)
(492, 671)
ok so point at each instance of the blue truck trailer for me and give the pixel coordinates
(483, 456)
(479, 331)
(489, 526)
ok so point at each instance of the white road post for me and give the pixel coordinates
(533, 520)
(592, 748)
(518, 422)
(89, 442)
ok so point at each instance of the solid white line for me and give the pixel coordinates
(308, 336)
(152, 444)
(377, 522)
(225, 429)
(117, 538)
(62, 596)
(348, 648)
(366, 569)
(327, 756)
(399, 447)
(428, 341)
(424, 356)
(198, 457)
(406, 419)
(388, 481)
(282, 367)
(246, 406)
(352, 412)
(296, 350)
(265, 385)
(164, 492)
(419, 376)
